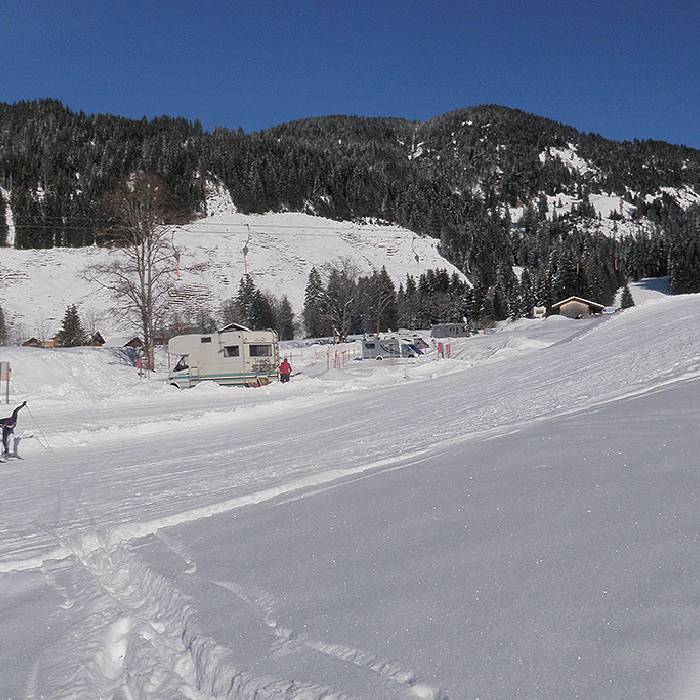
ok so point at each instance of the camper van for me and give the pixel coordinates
(233, 356)
(450, 330)
(385, 348)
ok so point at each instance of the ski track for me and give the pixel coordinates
(137, 635)
(289, 641)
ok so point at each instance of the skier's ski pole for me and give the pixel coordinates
(41, 438)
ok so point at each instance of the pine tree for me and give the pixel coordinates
(245, 301)
(262, 312)
(684, 252)
(315, 325)
(626, 301)
(4, 230)
(528, 298)
(499, 303)
(72, 334)
(3, 328)
(408, 313)
(285, 319)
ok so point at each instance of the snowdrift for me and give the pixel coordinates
(72, 374)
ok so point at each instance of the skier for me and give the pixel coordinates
(285, 371)
(8, 428)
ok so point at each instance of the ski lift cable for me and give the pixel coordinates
(320, 232)
(90, 223)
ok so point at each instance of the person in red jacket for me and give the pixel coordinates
(285, 370)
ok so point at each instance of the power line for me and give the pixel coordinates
(103, 222)
(319, 232)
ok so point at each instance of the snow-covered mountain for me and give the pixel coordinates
(493, 185)
(36, 286)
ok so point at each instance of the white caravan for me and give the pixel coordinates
(233, 356)
(375, 348)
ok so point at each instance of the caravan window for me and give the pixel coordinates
(260, 350)
(205, 340)
(232, 351)
(369, 346)
(181, 364)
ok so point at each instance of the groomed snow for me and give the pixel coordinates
(646, 289)
(518, 520)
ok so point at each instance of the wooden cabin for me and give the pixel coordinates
(53, 342)
(32, 343)
(96, 340)
(125, 341)
(577, 307)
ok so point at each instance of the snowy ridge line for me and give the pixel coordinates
(141, 634)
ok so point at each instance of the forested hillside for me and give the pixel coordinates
(499, 187)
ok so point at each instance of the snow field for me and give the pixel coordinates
(38, 285)
(372, 530)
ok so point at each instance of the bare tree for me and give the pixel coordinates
(41, 328)
(18, 333)
(92, 319)
(143, 266)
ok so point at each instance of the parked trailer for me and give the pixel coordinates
(385, 348)
(233, 356)
(450, 330)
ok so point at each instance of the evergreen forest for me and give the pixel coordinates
(455, 177)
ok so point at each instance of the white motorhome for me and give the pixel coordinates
(233, 356)
(375, 348)
(450, 330)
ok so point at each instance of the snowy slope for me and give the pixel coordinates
(37, 285)
(646, 289)
(518, 520)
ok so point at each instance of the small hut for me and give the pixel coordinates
(125, 341)
(53, 342)
(31, 343)
(577, 307)
(96, 340)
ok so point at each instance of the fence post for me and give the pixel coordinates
(5, 371)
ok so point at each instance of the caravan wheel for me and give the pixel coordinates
(378, 357)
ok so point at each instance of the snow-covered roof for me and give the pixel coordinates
(582, 300)
(234, 327)
(120, 341)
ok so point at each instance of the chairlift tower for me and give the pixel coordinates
(245, 252)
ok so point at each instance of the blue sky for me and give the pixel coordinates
(623, 69)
